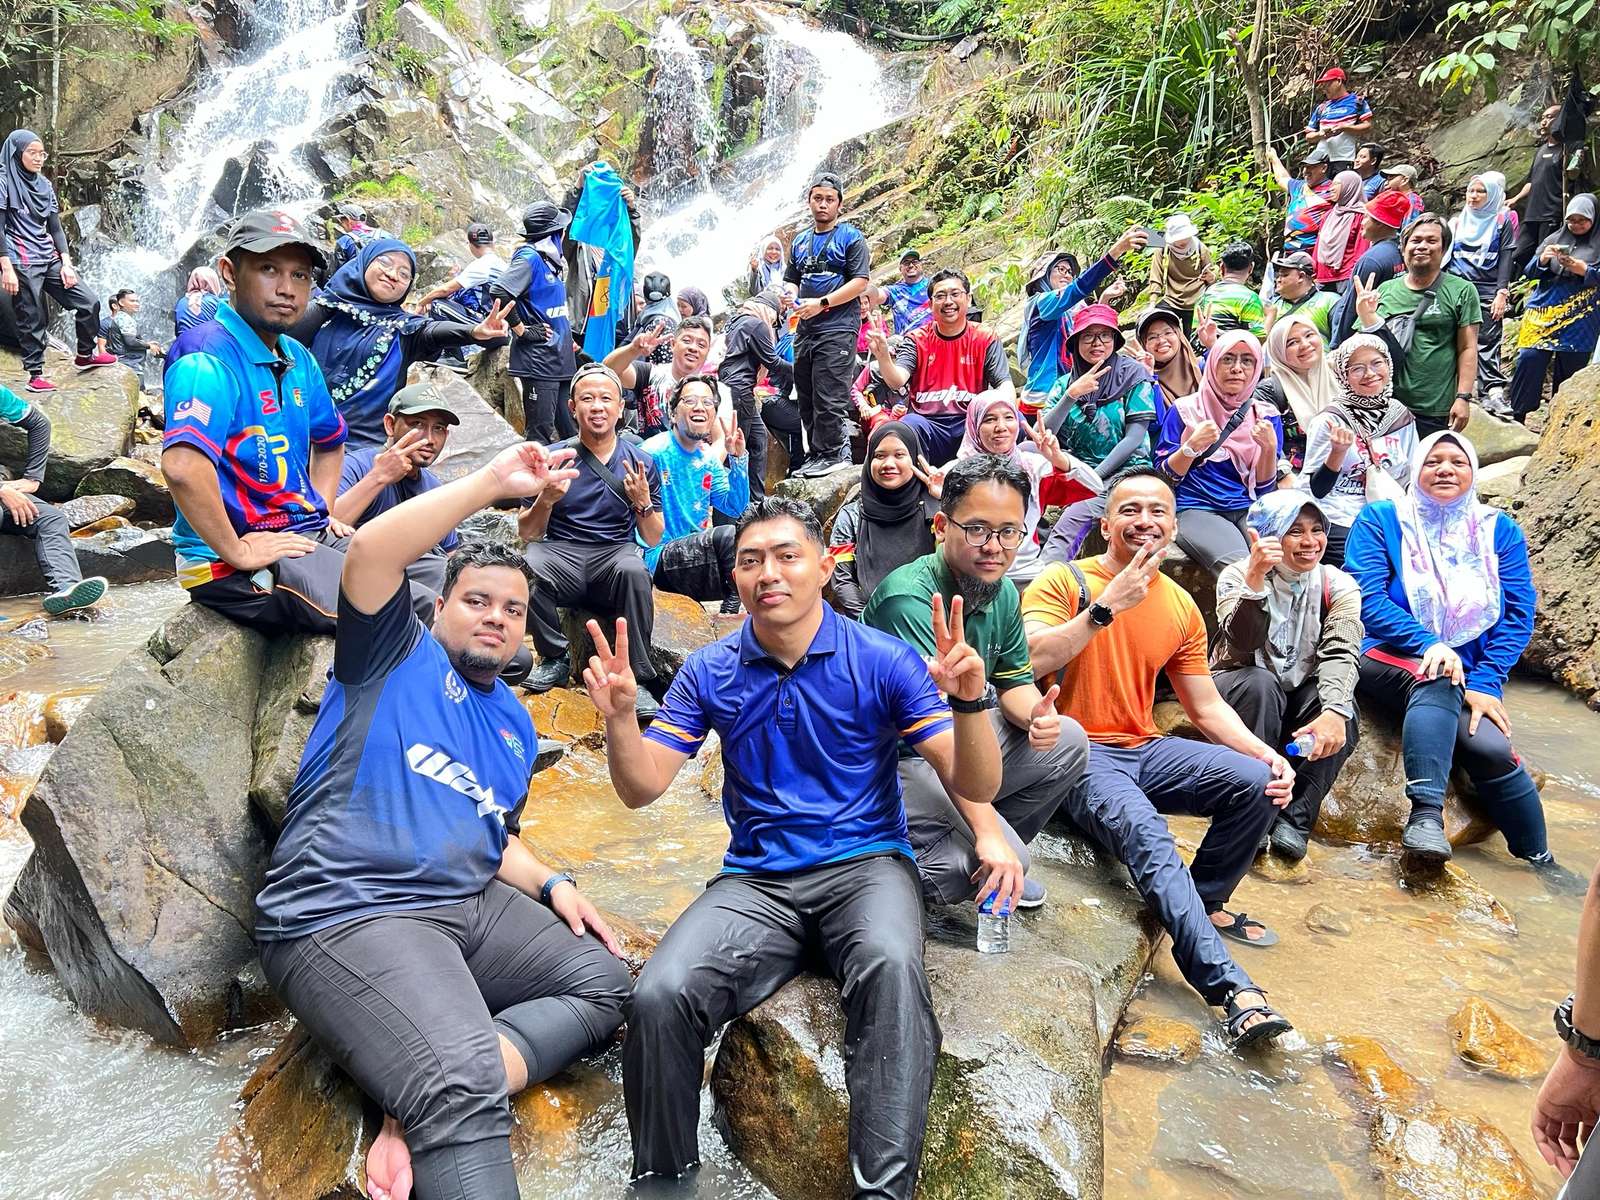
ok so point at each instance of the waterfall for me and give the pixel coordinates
(684, 126)
(823, 88)
(261, 110)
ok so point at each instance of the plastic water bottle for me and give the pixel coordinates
(994, 927)
(1301, 746)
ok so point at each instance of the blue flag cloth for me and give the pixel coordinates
(602, 221)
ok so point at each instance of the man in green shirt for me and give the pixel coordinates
(1436, 381)
(1231, 302)
(967, 850)
(1295, 276)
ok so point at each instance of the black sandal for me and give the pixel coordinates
(1272, 1024)
(1238, 929)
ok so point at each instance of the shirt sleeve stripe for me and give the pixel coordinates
(190, 433)
(943, 720)
(674, 738)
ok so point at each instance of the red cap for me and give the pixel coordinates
(1331, 75)
(1390, 208)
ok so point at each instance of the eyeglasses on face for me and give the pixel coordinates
(978, 534)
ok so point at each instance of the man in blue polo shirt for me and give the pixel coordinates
(403, 921)
(810, 709)
(1339, 122)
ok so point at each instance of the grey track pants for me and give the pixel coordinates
(52, 544)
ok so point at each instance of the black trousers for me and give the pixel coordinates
(412, 1005)
(699, 566)
(781, 415)
(862, 922)
(545, 411)
(610, 581)
(824, 365)
(1273, 713)
(35, 282)
(1534, 367)
(748, 409)
(1529, 235)
(51, 536)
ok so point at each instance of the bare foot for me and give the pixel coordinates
(389, 1163)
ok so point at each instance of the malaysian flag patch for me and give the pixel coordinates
(193, 409)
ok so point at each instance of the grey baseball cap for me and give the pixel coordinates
(265, 230)
(422, 398)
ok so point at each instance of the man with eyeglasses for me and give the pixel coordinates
(968, 850)
(947, 363)
(694, 557)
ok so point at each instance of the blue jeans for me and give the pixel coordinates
(940, 435)
(1119, 805)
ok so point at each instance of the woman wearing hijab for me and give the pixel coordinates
(1102, 412)
(1286, 655)
(766, 267)
(692, 302)
(1179, 269)
(1301, 385)
(1172, 358)
(1055, 292)
(887, 525)
(1447, 600)
(365, 341)
(34, 262)
(1483, 237)
(1220, 448)
(199, 301)
(1359, 448)
(1339, 241)
(1561, 322)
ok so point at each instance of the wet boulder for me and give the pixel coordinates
(148, 863)
(83, 509)
(294, 676)
(92, 415)
(1450, 886)
(138, 482)
(1159, 1039)
(122, 554)
(825, 494)
(682, 626)
(1497, 439)
(482, 434)
(23, 902)
(1015, 1110)
(1486, 1041)
(1420, 1149)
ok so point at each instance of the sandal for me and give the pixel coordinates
(1239, 930)
(1272, 1024)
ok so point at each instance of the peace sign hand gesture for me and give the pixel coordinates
(526, 470)
(1049, 446)
(878, 339)
(733, 436)
(637, 484)
(609, 678)
(1366, 300)
(931, 479)
(494, 325)
(1086, 383)
(956, 667)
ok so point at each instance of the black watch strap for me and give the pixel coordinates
(989, 699)
(1100, 615)
(550, 885)
(1586, 1046)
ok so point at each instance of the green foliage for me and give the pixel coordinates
(411, 64)
(1561, 31)
(398, 186)
(28, 31)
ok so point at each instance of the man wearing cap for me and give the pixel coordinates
(376, 478)
(542, 352)
(830, 264)
(1308, 197)
(1368, 159)
(1385, 214)
(908, 300)
(1401, 179)
(584, 536)
(253, 442)
(467, 291)
(1295, 278)
(354, 232)
(1335, 124)
(1180, 268)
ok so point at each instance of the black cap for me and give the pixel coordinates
(265, 230)
(422, 398)
(541, 218)
(1159, 312)
(826, 179)
(656, 286)
(479, 234)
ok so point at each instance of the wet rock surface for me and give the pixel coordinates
(91, 420)
(122, 554)
(682, 626)
(1159, 1039)
(85, 509)
(1487, 1041)
(1458, 892)
(825, 494)
(137, 481)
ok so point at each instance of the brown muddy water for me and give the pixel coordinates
(93, 1113)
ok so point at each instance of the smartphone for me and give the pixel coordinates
(1154, 240)
(1566, 249)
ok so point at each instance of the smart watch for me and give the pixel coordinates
(825, 302)
(1565, 1030)
(550, 886)
(989, 699)
(1100, 615)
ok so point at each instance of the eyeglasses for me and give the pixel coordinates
(395, 269)
(1371, 368)
(942, 296)
(1097, 335)
(978, 534)
(696, 402)
(1238, 362)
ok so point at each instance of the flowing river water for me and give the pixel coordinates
(93, 1112)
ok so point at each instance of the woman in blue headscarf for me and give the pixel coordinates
(365, 342)
(1483, 238)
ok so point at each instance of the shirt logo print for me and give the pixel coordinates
(458, 777)
(454, 690)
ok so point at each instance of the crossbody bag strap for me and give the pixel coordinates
(1083, 604)
(607, 475)
(1222, 436)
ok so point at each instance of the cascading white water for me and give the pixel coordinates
(279, 96)
(823, 88)
(680, 110)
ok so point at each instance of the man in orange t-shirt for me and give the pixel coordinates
(1106, 654)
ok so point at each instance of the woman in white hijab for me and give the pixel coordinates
(1483, 237)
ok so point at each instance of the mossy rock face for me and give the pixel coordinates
(92, 415)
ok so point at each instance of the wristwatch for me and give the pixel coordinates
(1100, 615)
(989, 699)
(825, 302)
(550, 886)
(1565, 1030)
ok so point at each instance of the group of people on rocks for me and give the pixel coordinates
(972, 647)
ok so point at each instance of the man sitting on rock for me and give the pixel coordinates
(24, 515)
(581, 534)
(656, 382)
(947, 364)
(694, 557)
(253, 443)
(403, 921)
(810, 708)
(966, 850)
(1104, 628)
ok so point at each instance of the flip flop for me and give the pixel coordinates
(1239, 928)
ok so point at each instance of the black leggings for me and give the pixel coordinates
(35, 282)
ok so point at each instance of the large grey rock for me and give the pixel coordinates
(92, 415)
(137, 481)
(124, 555)
(482, 434)
(1497, 440)
(825, 494)
(1016, 1099)
(85, 509)
(682, 626)
(148, 859)
(294, 675)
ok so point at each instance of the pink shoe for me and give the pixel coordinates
(40, 384)
(87, 362)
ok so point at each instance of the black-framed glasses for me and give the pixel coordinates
(978, 534)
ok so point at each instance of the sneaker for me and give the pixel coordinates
(730, 607)
(1033, 894)
(82, 594)
(1494, 403)
(1556, 878)
(822, 464)
(40, 384)
(646, 706)
(552, 673)
(88, 362)
(1288, 842)
(1424, 838)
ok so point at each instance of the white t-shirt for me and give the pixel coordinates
(484, 269)
(1393, 451)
